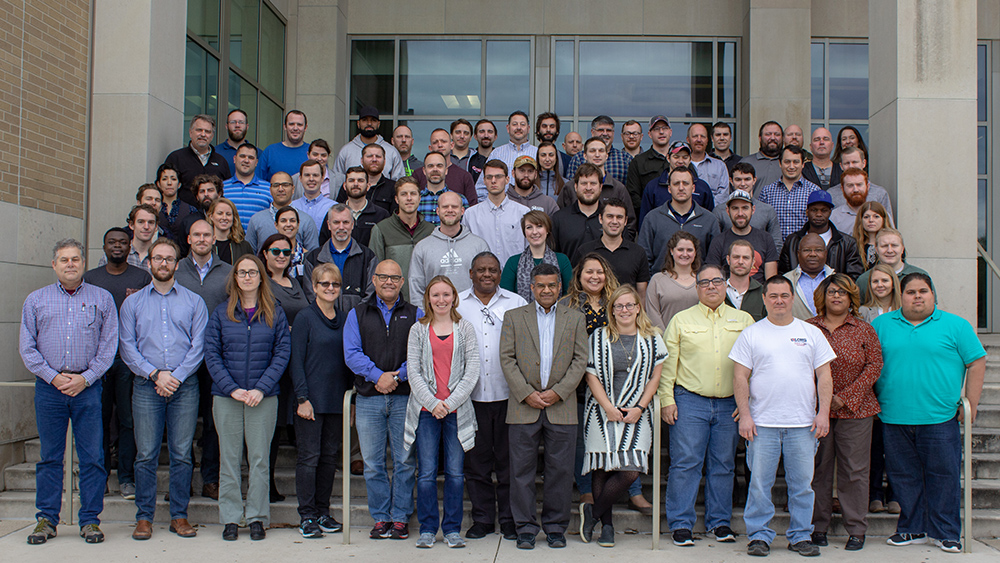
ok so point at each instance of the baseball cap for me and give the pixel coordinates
(739, 195)
(820, 196)
(655, 118)
(678, 145)
(522, 160)
(368, 111)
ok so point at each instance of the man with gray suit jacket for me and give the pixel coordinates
(543, 354)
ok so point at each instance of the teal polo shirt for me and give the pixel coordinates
(923, 366)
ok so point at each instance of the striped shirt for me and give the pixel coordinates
(427, 208)
(616, 165)
(790, 205)
(248, 198)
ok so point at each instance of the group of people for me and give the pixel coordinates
(487, 302)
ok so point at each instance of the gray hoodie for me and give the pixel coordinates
(439, 254)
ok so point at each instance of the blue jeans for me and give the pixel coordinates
(378, 419)
(704, 433)
(53, 410)
(432, 436)
(924, 466)
(798, 446)
(118, 405)
(151, 413)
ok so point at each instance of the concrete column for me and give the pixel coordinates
(317, 67)
(922, 61)
(775, 67)
(137, 105)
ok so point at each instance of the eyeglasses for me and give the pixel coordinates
(619, 307)
(237, 122)
(838, 291)
(163, 259)
(713, 281)
(488, 315)
(282, 184)
(280, 251)
(247, 273)
(632, 134)
(386, 277)
(328, 284)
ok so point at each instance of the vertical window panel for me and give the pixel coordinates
(372, 75)
(272, 53)
(269, 127)
(203, 19)
(508, 77)
(817, 81)
(440, 77)
(243, 96)
(848, 81)
(201, 83)
(726, 66)
(565, 71)
(243, 35)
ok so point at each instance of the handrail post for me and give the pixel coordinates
(345, 476)
(967, 481)
(657, 439)
(68, 473)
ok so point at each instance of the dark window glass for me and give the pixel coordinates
(440, 77)
(243, 35)
(848, 81)
(243, 96)
(371, 75)
(272, 53)
(201, 83)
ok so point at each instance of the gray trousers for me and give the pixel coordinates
(560, 448)
(237, 423)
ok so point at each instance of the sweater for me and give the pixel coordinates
(391, 240)
(440, 254)
(317, 365)
(213, 288)
(356, 274)
(246, 355)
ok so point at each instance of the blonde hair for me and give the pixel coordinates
(428, 315)
(236, 233)
(265, 299)
(896, 300)
(643, 325)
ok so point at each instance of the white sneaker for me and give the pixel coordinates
(426, 540)
(454, 540)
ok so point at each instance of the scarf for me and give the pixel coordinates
(524, 266)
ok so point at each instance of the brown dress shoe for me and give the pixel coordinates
(181, 527)
(357, 467)
(210, 490)
(143, 530)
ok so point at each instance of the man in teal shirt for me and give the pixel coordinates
(927, 355)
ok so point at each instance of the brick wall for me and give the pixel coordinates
(43, 97)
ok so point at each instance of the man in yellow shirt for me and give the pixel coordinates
(696, 391)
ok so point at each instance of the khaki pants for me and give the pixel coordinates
(237, 423)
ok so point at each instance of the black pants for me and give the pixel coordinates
(209, 441)
(316, 464)
(490, 454)
(560, 447)
(116, 407)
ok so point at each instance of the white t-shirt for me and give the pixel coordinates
(782, 360)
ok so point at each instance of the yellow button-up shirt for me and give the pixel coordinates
(698, 344)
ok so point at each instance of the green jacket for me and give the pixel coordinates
(391, 240)
(753, 301)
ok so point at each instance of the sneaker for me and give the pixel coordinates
(43, 532)
(951, 546)
(399, 531)
(876, 506)
(819, 538)
(478, 530)
(683, 537)
(607, 538)
(587, 521)
(454, 540)
(724, 534)
(555, 539)
(91, 533)
(329, 525)
(426, 540)
(525, 541)
(758, 548)
(804, 548)
(893, 507)
(128, 491)
(855, 543)
(380, 531)
(906, 539)
(509, 530)
(309, 528)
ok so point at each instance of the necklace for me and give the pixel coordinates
(628, 352)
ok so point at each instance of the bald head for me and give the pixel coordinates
(821, 143)
(811, 254)
(281, 189)
(388, 280)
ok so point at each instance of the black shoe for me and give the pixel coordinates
(310, 529)
(587, 521)
(380, 531)
(257, 532)
(525, 541)
(804, 548)
(231, 532)
(329, 525)
(854, 543)
(479, 531)
(758, 548)
(724, 534)
(607, 538)
(399, 531)
(509, 530)
(683, 538)
(276, 496)
(555, 539)
(819, 538)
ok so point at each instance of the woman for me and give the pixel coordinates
(872, 218)
(623, 373)
(592, 285)
(286, 220)
(549, 180)
(673, 289)
(247, 346)
(229, 237)
(849, 136)
(883, 293)
(442, 359)
(175, 216)
(320, 378)
(516, 275)
(845, 449)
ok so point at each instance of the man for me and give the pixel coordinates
(742, 291)
(632, 137)
(781, 373)
(853, 157)
(486, 133)
(457, 179)
(788, 196)
(395, 237)
(579, 223)
(740, 210)
(657, 191)
(743, 177)
(448, 251)
(262, 224)
(517, 131)
(461, 136)
(319, 150)
(402, 140)
(484, 305)
(289, 154)
(149, 194)
(350, 154)
(435, 164)
(793, 136)
(722, 143)
(821, 170)
(547, 125)
(142, 223)
(543, 355)
(355, 260)
(918, 394)
(380, 190)
(595, 152)
(628, 259)
(841, 249)
(497, 219)
(573, 143)
(198, 157)
(648, 166)
(712, 170)
(203, 273)
(248, 193)
(525, 189)
(808, 273)
(854, 185)
(312, 204)
(236, 129)
(603, 127)
(365, 211)
(375, 336)
(766, 160)
(890, 250)
(696, 393)
(68, 338)
(207, 189)
(162, 342)
(120, 279)
(681, 213)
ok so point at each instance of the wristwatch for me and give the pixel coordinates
(303, 400)
(155, 375)
(396, 378)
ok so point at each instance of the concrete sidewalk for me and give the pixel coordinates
(286, 544)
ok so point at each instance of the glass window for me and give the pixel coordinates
(565, 70)
(371, 75)
(727, 80)
(848, 81)
(508, 77)
(272, 54)
(269, 128)
(243, 96)
(983, 155)
(201, 83)
(818, 66)
(981, 79)
(243, 35)
(440, 77)
(203, 20)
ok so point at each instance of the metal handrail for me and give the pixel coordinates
(346, 472)
(657, 462)
(967, 481)
(989, 261)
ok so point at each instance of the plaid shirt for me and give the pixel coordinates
(428, 206)
(616, 165)
(790, 205)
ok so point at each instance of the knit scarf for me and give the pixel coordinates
(524, 266)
